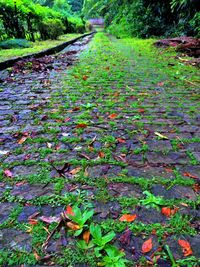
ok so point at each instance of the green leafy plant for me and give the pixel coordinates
(114, 258)
(151, 200)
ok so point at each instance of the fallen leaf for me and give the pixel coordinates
(141, 110)
(101, 154)
(128, 218)
(73, 226)
(50, 219)
(85, 77)
(37, 257)
(196, 188)
(22, 140)
(166, 211)
(33, 221)
(86, 236)
(69, 211)
(186, 248)
(120, 140)
(67, 119)
(4, 152)
(8, 173)
(147, 246)
(112, 116)
(161, 136)
(49, 145)
(187, 174)
(75, 171)
(160, 84)
(81, 125)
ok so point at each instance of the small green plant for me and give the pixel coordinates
(151, 200)
(114, 258)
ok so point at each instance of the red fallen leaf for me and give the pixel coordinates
(186, 248)
(147, 246)
(169, 212)
(120, 140)
(26, 157)
(166, 211)
(187, 174)
(160, 84)
(81, 125)
(86, 236)
(8, 173)
(128, 218)
(141, 110)
(37, 257)
(33, 221)
(107, 68)
(125, 238)
(101, 154)
(67, 119)
(69, 211)
(20, 183)
(57, 147)
(196, 188)
(85, 77)
(112, 116)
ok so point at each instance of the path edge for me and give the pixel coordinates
(10, 62)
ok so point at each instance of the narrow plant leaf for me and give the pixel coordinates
(186, 248)
(128, 218)
(147, 246)
(86, 236)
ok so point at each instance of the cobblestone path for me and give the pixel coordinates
(112, 133)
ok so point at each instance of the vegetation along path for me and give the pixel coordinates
(99, 160)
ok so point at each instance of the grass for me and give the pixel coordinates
(135, 81)
(37, 46)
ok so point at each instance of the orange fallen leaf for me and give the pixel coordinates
(73, 226)
(187, 174)
(112, 116)
(75, 171)
(69, 211)
(85, 77)
(186, 248)
(101, 154)
(147, 246)
(166, 211)
(128, 218)
(141, 110)
(22, 140)
(8, 173)
(81, 125)
(86, 236)
(37, 257)
(196, 188)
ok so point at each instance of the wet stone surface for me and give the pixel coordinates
(100, 131)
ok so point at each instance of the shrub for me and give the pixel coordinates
(15, 43)
(51, 28)
(75, 25)
(195, 23)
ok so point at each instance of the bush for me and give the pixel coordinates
(51, 28)
(15, 43)
(195, 23)
(75, 24)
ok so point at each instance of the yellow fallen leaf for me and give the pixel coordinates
(75, 171)
(161, 136)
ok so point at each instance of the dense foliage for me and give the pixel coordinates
(44, 19)
(144, 18)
